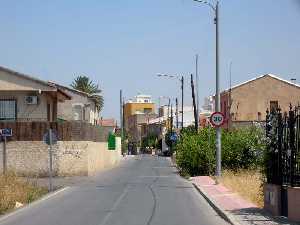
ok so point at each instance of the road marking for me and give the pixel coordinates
(16, 211)
(162, 167)
(154, 176)
(116, 204)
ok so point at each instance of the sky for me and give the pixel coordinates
(124, 44)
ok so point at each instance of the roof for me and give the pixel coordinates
(107, 122)
(92, 96)
(260, 77)
(28, 77)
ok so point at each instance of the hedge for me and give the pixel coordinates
(241, 149)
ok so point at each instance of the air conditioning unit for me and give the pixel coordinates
(31, 100)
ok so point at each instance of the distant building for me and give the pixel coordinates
(209, 104)
(142, 104)
(138, 126)
(188, 115)
(138, 112)
(247, 102)
(107, 122)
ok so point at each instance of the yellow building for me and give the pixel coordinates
(142, 104)
(137, 112)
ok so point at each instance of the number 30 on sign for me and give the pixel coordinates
(217, 119)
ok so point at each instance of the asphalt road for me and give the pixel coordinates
(145, 190)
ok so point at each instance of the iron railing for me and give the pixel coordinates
(283, 147)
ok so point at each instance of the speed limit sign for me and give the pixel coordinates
(217, 119)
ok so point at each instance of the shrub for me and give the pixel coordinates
(15, 189)
(241, 149)
(195, 153)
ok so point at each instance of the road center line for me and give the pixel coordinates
(115, 205)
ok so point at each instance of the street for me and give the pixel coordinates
(143, 190)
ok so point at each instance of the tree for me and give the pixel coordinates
(83, 83)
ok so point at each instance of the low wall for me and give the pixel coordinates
(272, 199)
(294, 203)
(69, 157)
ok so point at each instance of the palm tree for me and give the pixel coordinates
(83, 83)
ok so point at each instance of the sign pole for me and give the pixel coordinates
(4, 156)
(50, 160)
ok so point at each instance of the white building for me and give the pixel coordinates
(141, 99)
(188, 116)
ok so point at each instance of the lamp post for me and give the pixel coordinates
(181, 79)
(217, 98)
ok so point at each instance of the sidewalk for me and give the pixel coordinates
(233, 207)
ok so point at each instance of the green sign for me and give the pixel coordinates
(111, 142)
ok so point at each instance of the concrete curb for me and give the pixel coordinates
(21, 209)
(225, 215)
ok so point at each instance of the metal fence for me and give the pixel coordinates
(283, 147)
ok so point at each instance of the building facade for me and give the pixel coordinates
(82, 106)
(248, 102)
(24, 98)
(138, 112)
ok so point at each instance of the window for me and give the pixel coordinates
(273, 105)
(77, 112)
(48, 111)
(259, 116)
(146, 100)
(147, 110)
(8, 109)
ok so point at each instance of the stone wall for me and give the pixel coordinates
(69, 157)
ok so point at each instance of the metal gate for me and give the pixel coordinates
(283, 150)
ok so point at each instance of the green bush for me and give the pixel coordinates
(195, 153)
(149, 141)
(241, 149)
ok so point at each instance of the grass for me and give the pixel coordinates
(248, 183)
(16, 189)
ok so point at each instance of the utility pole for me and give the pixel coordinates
(197, 89)
(123, 119)
(229, 98)
(171, 120)
(182, 91)
(177, 113)
(4, 155)
(217, 97)
(168, 125)
(171, 129)
(217, 106)
(50, 161)
(121, 114)
(194, 103)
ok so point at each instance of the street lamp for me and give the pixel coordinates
(159, 106)
(182, 91)
(217, 99)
